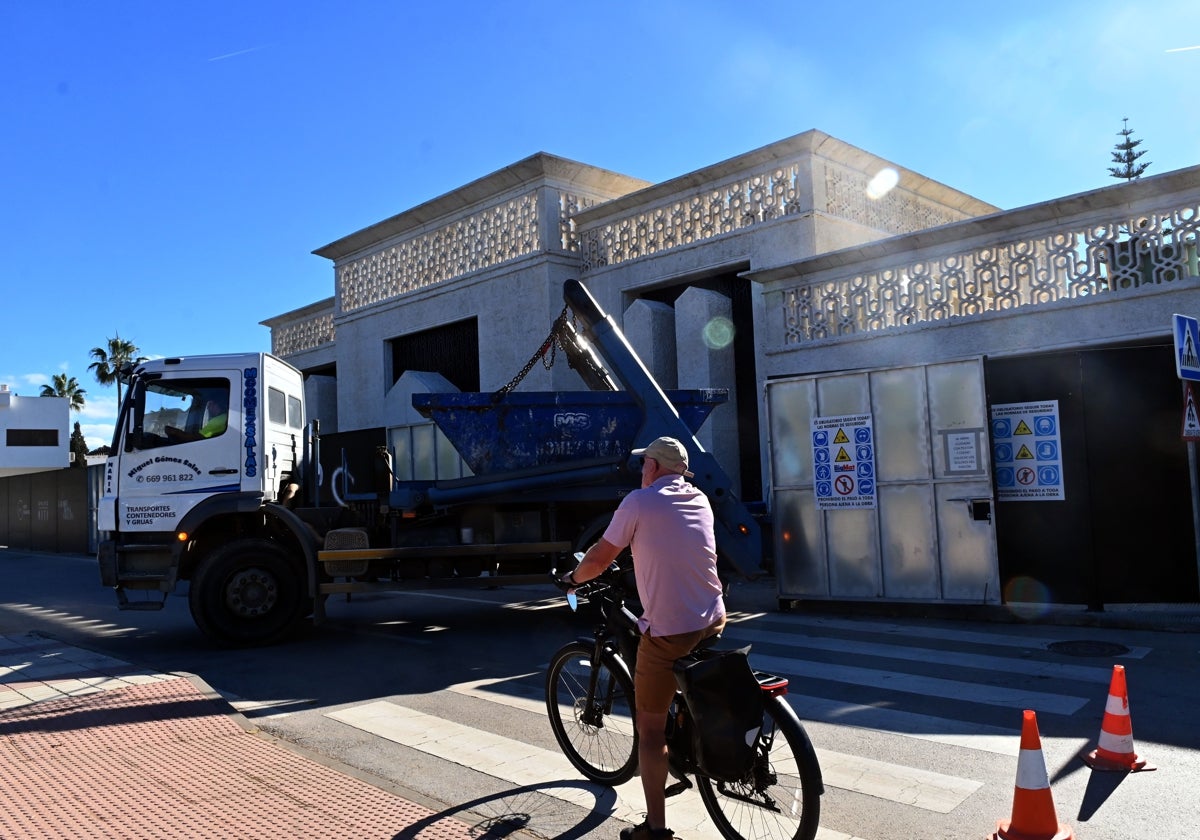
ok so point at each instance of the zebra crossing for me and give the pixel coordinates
(830, 661)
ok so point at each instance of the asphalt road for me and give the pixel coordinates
(916, 720)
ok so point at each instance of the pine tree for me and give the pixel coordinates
(1125, 154)
(78, 447)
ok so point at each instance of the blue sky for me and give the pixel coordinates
(167, 167)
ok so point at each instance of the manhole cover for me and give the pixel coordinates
(1083, 647)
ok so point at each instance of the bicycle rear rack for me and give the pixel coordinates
(771, 685)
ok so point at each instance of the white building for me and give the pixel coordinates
(921, 311)
(34, 434)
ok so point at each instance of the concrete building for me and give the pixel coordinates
(827, 287)
(34, 433)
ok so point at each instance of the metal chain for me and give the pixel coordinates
(551, 345)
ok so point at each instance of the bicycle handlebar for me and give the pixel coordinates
(611, 578)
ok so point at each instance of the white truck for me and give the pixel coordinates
(177, 504)
(206, 446)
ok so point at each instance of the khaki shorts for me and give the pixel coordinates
(654, 679)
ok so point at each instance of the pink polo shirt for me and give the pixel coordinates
(669, 528)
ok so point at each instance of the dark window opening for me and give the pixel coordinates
(451, 350)
(321, 370)
(31, 437)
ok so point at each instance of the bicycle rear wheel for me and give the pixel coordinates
(596, 731)
(781, 796)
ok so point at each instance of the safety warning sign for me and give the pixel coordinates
(843, 462)
(1191, 420)
(1027, 452)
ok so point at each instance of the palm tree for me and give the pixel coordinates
(110, 360)
(67, 388)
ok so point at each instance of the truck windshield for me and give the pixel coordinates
(174, 411)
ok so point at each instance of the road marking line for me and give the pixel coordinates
(894, 782)
(992, 695)
(503, 758)
(915, 631)
(939, 730)
(523, 764)
(506, 692)
(973, 736)
(945, 658)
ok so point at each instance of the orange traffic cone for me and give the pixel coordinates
(1115, 751)
(1033, 816)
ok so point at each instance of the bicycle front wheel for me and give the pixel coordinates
(594, 728)
(781, 796)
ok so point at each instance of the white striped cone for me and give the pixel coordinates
(1114, 749)
(1033, 816)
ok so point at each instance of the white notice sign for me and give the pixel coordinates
(963, 453)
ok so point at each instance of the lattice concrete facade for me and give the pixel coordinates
(500, 247)
(832, 263)
(1102, 267)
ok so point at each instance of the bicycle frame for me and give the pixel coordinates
(592, 708)
(618, 636)
(619, 631)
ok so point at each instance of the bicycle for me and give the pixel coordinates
(590, 701)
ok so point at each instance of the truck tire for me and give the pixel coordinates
(247, 593)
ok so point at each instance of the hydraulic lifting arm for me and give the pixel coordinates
(738, 535)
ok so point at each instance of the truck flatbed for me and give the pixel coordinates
(443, 551)
(350, 562)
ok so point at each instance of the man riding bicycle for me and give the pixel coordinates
(668, 527)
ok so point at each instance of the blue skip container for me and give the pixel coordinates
(525, 429)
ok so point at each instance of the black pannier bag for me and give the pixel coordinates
(727, 710)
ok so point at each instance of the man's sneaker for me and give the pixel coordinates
(645, 832)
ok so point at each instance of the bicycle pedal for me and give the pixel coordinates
(677, 788)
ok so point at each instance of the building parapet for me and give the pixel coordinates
(464, 245)
(302, 329)
(1121, 240)
(524, 209)
(811, 173)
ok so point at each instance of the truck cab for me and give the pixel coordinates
(203, 445)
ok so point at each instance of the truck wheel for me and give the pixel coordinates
(247, 593)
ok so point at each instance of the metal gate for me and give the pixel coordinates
(1122, 531)
(926, 534)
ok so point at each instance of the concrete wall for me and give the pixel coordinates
(48, 511)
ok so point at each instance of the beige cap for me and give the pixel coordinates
(669, 452)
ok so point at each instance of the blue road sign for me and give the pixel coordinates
(1187, 347)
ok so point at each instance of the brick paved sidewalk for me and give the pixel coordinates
(92, 747)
